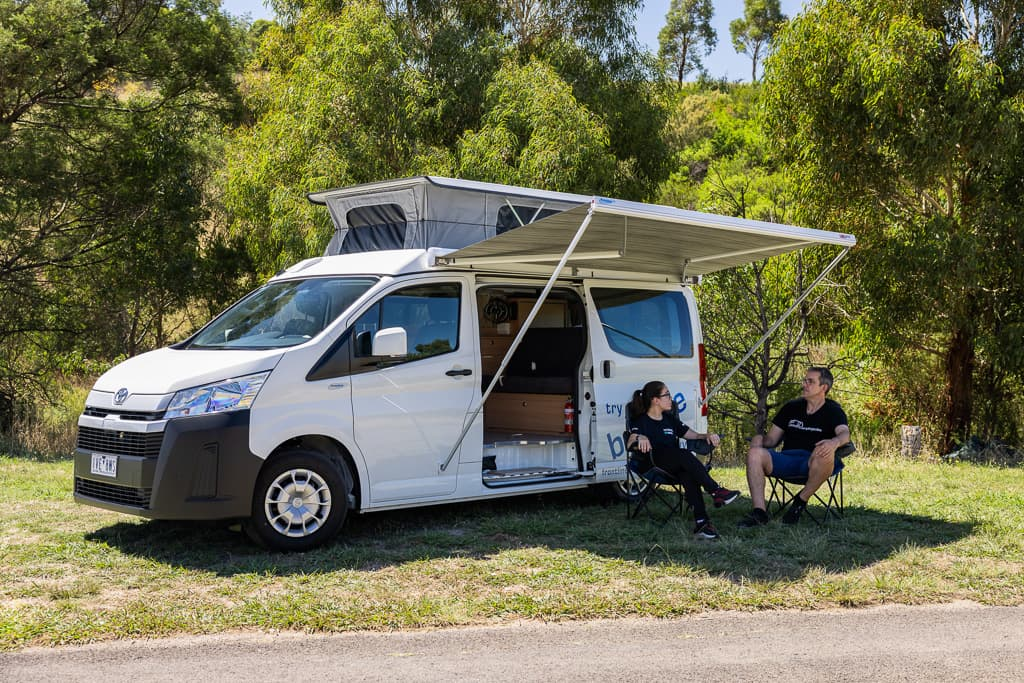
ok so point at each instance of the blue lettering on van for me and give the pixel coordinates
(613, 409)
(680, 400)
(616, 445)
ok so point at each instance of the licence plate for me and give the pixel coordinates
(105, 465)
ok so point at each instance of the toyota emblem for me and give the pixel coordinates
(120, 396)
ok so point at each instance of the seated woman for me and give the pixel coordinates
(654, 427)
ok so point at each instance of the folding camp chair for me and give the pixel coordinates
(784, 490)
(649, 485)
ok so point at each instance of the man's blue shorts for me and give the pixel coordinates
(792, 464)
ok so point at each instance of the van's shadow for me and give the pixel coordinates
(569, 521)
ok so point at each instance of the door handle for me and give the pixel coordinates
(459, 373)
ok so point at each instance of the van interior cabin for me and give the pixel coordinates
(528, 435)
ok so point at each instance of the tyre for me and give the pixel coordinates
(300, 501)
(621, 490)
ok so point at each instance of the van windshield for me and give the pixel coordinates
(281, 314)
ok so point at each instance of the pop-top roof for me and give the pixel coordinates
(642, 240)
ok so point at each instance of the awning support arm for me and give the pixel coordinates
(747, 252)
(522, 332)
(778, 322)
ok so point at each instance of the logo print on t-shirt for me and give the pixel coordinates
(798, 424)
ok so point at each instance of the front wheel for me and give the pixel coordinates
(300, 501)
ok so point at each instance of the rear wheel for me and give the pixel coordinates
(626, 491)
(300, 501)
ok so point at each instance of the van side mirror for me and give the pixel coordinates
(391, 341)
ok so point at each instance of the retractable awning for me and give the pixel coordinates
(645, 241)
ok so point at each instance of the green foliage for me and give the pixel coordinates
(102, 109)
(687, 37)
(338, 105)
(906, 124)
(362, 92)
(133, 205)
(534, 133)
(726, 167)
(752, 34)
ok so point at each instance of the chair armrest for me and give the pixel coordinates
(632, 449)
(845, 450)
(699, 446)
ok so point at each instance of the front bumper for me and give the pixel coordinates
(186, 468)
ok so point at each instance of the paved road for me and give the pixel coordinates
(959, 642)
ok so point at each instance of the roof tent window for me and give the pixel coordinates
(374, 228)
(527, 214)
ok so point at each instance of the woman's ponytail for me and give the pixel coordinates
(637, 406)
(642, 398)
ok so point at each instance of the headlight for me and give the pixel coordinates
(230, 394)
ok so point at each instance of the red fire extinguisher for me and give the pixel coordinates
(568, 415)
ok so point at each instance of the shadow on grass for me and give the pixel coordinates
(565, 522)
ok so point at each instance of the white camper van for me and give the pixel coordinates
(457, 341)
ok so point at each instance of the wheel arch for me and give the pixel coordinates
(334, 450)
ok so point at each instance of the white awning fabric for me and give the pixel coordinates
(643, 241)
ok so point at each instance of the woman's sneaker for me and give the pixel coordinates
(723, 496)
(705, 531)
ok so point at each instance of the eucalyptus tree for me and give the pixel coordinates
(535, 133)
(905, 123)
(687, 37)
(752, 34)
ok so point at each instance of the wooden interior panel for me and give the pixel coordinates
(534, 413)
(492, 350)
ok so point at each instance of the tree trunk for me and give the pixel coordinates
(959, 388)
(761, 412)
(6, 413)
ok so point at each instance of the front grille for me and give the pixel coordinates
(146, 444)
(123, 414)
(112, 493)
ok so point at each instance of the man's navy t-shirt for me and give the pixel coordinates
(803, 431)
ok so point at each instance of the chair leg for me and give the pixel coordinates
(635, 483)
(782, 496)
(670, 497)
(667, 495)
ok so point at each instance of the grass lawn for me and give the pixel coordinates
(914, 533)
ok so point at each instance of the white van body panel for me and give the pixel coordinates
(394, 262)
(288, 407)
(617, 376)
(165, 371)
(410, 415)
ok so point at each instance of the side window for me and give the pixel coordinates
(374, 228)
(645, 324)
(510, 217)
(429, 314)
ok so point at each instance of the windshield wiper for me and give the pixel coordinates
(637, 339)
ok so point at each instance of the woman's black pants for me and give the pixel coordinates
(690, 472)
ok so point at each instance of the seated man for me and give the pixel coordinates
(811, 427)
